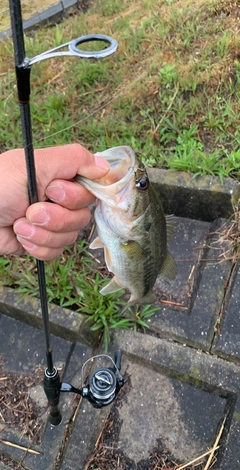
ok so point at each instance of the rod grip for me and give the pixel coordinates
(52, 387)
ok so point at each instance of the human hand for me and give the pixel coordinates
(43, 229)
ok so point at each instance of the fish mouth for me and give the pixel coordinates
(122, 162)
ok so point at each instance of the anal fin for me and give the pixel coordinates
(149, 298)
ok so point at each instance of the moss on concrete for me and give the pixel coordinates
(202, 198)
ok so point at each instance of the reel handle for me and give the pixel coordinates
(118, 359)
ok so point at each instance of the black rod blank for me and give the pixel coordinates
(23, 87)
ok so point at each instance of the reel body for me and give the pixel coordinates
(103, 385)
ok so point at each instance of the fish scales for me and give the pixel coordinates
(132, 228)
(138, 267)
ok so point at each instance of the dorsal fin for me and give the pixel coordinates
(168, 268)
(170, 226)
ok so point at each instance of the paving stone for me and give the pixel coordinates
(23, 347)
(217, 379)
(162, 407)
(69, 3)
(88, 425)
(190, 305)
(228, 344)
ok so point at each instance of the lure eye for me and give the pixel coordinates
(142, 183)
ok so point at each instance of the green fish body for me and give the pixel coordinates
(132, 228)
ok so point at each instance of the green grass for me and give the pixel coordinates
(73, 281)
(171, 91)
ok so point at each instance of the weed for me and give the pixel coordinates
(73, 280)
(168, 75)
(223, 44)
(110, 7)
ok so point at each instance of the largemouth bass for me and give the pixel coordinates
(131, 227)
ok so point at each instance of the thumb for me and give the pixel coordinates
(65, 162)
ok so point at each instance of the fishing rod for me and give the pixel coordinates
(104, 383)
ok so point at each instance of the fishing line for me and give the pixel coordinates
(80, 121)
(104, 383)
(115, 97)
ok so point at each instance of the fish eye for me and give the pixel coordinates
(142, 183)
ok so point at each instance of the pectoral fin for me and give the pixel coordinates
(132, 249)
(168, 268)
(97, 243)
(112, 286)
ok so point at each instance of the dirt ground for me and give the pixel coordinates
(18, 410)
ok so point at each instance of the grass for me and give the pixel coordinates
(171, 91)
(73, 281)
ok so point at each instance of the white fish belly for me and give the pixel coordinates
(130, 273)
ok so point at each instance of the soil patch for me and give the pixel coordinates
(18, 410)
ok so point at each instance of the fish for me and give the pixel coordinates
(131, 225)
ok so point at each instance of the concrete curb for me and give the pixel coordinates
(64, 323)
(203, 198)
(53, 14)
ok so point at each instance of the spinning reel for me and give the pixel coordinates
(103, 385)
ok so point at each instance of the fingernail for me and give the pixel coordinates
(26, 244)
(55, 193)
(23, 229)
(101, 163)
(39, 217)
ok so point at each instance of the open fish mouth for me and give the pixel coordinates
(122, 162)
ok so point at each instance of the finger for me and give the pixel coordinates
(69, 194)
(47, 239)
(42, 253)
(9, 243)
(55, 218)
(65, 162)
